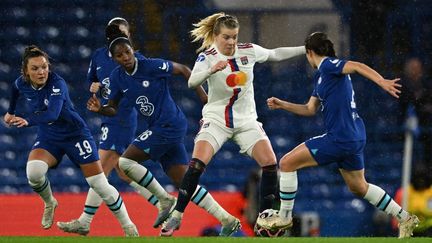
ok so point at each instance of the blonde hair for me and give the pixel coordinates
(210, 26)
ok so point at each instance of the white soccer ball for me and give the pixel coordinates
(265, 221)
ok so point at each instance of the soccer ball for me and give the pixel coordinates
(262, 228)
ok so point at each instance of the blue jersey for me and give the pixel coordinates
(51, 109)
(338, 106)
(100, 68)
(147, 90)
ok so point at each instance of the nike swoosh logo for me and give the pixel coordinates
(125, 90)
(164, 66)
(97, 68)
(85, 157)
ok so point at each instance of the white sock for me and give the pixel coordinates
(143, 177)
(92, 203)
(111, 197)
(380, 199)
(204, 199)
(288, 189)
(36, 174)
(145, 193)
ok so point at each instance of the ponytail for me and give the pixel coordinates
(210, 26)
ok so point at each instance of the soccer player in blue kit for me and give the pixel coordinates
(345, 137)
(144, 84)
(117, 132)
(60, 131)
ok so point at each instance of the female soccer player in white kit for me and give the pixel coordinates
(230, 113)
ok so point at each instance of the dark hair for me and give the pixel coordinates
(115, 36)
(30, 52)
(320, 44)
(118, 21)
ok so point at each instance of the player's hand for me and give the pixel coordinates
(274, 103)
(8, 118)
(219, 66)
(94, 87)
(93, 104)
(391, 86)
(19, 122)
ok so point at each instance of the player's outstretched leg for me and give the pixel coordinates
(203, 199)
(114, 201)
(144, 178)
(36, 174)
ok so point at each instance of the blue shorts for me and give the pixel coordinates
(116, 138)
(348, 155)
(80, 149)
(167, 153)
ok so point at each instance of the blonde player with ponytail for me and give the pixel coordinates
(230, 113)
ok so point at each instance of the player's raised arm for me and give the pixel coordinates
(308, 109)
(389, 85)
(278, 54)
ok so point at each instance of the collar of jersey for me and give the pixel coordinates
(33, 87)
(322, 60)
(135, 68)
(220, 53)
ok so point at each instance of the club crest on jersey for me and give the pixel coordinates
(146, 108)
(145, 83)
(200, 58)
(244, 60)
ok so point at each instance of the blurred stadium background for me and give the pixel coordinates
(381, 33)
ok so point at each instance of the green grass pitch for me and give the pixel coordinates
(5, 239)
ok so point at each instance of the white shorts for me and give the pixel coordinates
(245, 136)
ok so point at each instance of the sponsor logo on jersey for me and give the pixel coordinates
(146, 108)
(244, 60)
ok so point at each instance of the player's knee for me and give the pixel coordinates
(286, 165)
(126, 164)
(358, 189)
(36, 170)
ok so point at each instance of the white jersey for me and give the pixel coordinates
(230, 91)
